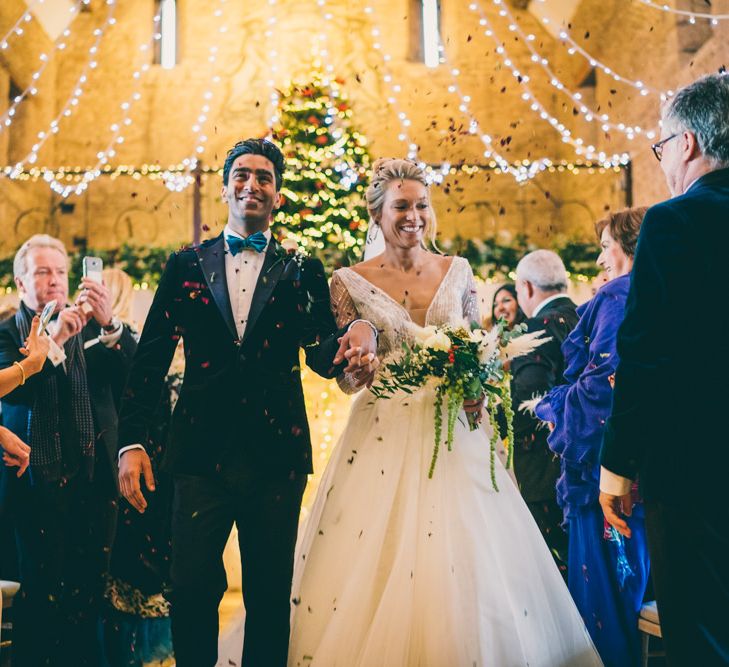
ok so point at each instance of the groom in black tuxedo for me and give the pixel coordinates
(239, 447)
(668, 424)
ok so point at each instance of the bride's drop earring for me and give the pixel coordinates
(370, 236)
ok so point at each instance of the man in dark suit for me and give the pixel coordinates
(239, 447)
(63, 508)
(668, 424)
(541, 283)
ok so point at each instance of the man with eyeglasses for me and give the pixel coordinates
(668, 424)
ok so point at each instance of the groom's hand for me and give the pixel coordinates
(133, 464)
(358, 347)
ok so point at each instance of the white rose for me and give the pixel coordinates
(422, 334)
(438, 341)
(290, 245)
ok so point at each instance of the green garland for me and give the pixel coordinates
(143, 264)
(491, 259)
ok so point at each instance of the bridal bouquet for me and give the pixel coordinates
(463, 363)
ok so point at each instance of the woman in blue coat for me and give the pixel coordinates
(607, 574)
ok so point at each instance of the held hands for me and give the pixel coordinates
(613, 507)
(133, 464)
(359, 348)
(15, 451)
(35, 349)
(98, 299)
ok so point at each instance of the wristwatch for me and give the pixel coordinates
(112, 326)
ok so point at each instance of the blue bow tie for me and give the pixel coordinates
(257, 242)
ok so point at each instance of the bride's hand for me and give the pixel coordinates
(365, 374)
(474, 404)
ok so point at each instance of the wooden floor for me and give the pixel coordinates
(229, 607)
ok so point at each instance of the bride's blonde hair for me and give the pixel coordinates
(384, 171)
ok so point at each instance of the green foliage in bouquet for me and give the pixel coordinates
(461, 364)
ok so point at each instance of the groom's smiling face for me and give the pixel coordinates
(251, 192)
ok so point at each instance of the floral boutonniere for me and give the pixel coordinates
(287, 251)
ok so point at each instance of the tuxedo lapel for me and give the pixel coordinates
(212, 265)
(273, 266)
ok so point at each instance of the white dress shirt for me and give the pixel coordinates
(241, 273)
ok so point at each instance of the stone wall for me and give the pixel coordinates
(632, 38)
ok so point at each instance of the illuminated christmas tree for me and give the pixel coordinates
(327, 164)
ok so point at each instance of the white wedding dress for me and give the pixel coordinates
(395, 569)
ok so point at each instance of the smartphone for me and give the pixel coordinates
(92, 268)
(46, 316)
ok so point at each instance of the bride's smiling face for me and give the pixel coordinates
(406, 213)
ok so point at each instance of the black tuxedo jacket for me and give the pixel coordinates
(535, 466)
(105, 368)
(669, 419)
(241, 404)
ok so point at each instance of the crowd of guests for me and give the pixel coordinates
(592, 419)
(557, 438)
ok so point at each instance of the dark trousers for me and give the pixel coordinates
(548, 515)
(63, 535)
(689, 550)
(266, 513)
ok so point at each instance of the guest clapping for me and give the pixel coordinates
(607, 575)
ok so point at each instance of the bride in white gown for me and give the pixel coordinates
(395, 569)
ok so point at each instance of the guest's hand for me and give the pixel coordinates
(97, 297)
(69, 323)
(15, 451)
(35, 349)
(613, 507)
(135, 463)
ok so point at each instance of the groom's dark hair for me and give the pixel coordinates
(263, 147)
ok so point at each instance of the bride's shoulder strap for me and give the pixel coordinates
(469, 297)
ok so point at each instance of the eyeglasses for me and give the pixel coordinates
(658, 146)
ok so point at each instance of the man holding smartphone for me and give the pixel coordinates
(64, 507)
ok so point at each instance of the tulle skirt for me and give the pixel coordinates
(395, 569)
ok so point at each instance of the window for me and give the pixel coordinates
(165, 52)
(425, 44)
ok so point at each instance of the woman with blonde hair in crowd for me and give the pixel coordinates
(607, 575)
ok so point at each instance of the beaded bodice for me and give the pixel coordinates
(353, 296)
